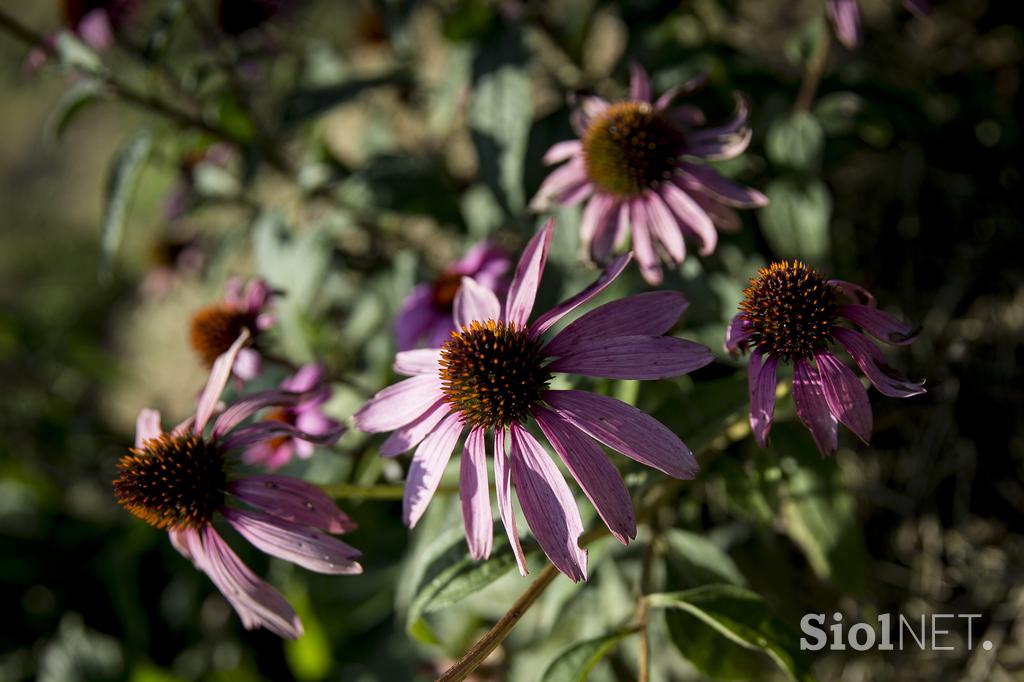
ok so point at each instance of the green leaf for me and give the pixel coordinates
(74, 53)
(500, 113)
(79, 96)
(575, 663)
(795, 142)
(121, 181)
(694, 560)
(450, 574)
(796, 219)
(309, 656)
(711, 652)
(743, 618)
(837, 112)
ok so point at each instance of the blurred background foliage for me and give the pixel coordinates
(370, 143)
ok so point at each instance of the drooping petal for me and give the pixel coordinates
(292, 500)
(267, 430)
(399, 404)
(847, 400)
(690, 86)
(665, 228)
(608, 275)
(410, 435)
(761, 378)
(181, 541)
(219, 375)
(561, 180)
(596, 213)
(639, 83)
(299, 544)
(502, 485)
(625, 429)
(416, 317)
(811, 407)
(726, 191)
(608, 231)
(475, 497)
(475, 303)
(880, 325)
(724, 141)
(257, 603)
(634, 357)
(691, 215)
(735, 335)
(547, 504)
(427, 466)
(854, 292)
(598, 478)
(562, 151)
(523, 291)
(414, 362)
(643, 245)
(243, 408)
(652, 313)
(147, 425)
(871, 361)
(845, 16)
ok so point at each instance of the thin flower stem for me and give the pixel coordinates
(644, 659)
(813, 72)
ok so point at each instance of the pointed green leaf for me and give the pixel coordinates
(121, 181)
(575, 663)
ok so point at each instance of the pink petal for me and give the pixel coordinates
(691, 215)
(475, 303)
(416, 317)
(502, 477)
(410, 435)
(735, 335)
(523, 291)
(562, 151)
(854, 292)
(634, 357)
(267, 430)
(399, 404)
(686, 88)
(811, 407)
(625, 429)
(880, 325)
(598, 478)
(257, 603)
(547, 504)
(643, 247)
(95, 30)
(639, 83)
(427, 466)
(845, 16)
(847, 400)
(475, 497)
(762, 380)
(871, 361)
(597, 212)
(414, 362)
(248, 364)
(182, 540)
(567, 178)
(652, 313)
(299, 544)
(308, 377)
(608, 275)
(608, 232)
(242, 409)
(292, 500)
(147, 426)
(219, 375)
(665, 228)
(726, 191)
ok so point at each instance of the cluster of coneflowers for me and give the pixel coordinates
(480, 364)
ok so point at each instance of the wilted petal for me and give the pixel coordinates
(547, 504)
(399, 404)
(880, 325)
(292, 500)
(147, 426)
(811, 407)
(598, 478)
(427, 466)
(846, 397)
(626, 429)
(299, 544)
(634, 357)
(608, 275)
(475, 303)
(761, 378)
(475, 497)
(523, 291)
(652, 313)
(414, 362)
(871, 361)
(502, 485)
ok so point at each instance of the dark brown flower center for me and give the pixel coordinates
(790, 309)
(493, 373)
(172, 482)
(445, 288)
(630, 148)
(216, 327)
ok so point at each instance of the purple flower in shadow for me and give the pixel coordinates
(214, 328)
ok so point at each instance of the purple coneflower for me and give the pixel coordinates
(178, 481)
(791, 313)
(845, 18)
(426, 314)
(306, 416)
(215, 327)
(640, 164)
(493, 374)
